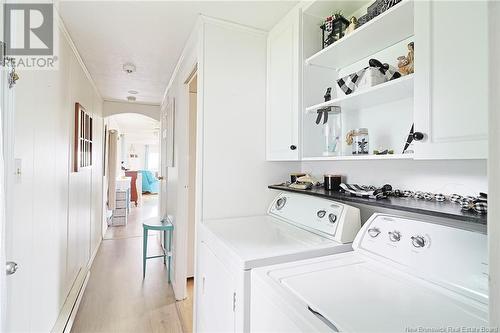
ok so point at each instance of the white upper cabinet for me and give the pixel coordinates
(283, 87)
(451, 79)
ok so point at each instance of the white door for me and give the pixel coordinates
(216, 301)
(283, 98)
(451, 79)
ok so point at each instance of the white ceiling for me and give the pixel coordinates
(151, 35)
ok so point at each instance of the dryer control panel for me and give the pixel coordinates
(325, 217)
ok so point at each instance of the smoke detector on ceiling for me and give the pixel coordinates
(129, 68)
(133, 92)
(131, 98)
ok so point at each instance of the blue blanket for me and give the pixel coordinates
(149, 182)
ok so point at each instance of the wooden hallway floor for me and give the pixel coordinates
(117, 299)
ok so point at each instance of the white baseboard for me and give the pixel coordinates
(70, 307)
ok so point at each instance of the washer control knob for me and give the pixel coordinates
(394, 236)
(321, 213)
(373, 232)
(418, 241)
(280, 203)
(332, 218)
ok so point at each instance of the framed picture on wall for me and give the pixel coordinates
(82, 148)
(170, 133)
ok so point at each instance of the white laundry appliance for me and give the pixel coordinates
(296, 227)
(403, 276)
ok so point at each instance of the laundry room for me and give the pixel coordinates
(386, 178)
(250, 166)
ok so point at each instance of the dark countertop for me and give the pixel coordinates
(444, 209)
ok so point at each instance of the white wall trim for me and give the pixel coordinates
(73, 47)
(493, 162)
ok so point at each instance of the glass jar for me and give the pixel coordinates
(332, 130)
(360, 144)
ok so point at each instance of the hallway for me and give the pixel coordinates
(116, 298)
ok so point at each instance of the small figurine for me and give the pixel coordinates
(352, 25)
(406, 64)
(328, 94)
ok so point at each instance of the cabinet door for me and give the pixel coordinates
(216, 294)
(283, 98)
(451, 79)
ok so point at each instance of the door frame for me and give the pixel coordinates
(7, 112)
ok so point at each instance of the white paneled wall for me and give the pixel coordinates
(56, 218)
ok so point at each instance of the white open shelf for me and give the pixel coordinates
(360, 157)
(390, 27)
(387, 92)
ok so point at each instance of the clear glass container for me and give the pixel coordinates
(332, 131)
(360, 142)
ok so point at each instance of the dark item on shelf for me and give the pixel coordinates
(332, 182)
(294, 176)
(362, 20)
(333, 29)
(383, 5)
(383, 152)
(362, 147)
(409, 140)
(384, 69)
(328, 94)
(323, 113)
(406, 64)
(372, 11)
(349, 83)
(365, 191)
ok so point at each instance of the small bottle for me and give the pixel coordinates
(360, 144)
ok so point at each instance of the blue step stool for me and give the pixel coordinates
(160, 224)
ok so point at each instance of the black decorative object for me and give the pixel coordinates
(383, 5)
(362, 20)
(372, 11)
(333, 29)
(383, 68)
(328, 94)
(375, 9)
(323, 113)
(409, 140)
(332, 182)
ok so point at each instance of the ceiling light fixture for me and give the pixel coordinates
(129, 68)
(133, 92)
(131, 98)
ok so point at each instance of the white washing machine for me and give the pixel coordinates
(296, 227)
(403, 276)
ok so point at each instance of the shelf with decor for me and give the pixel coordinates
(360, 157)
(383, 93)
(383, 31)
